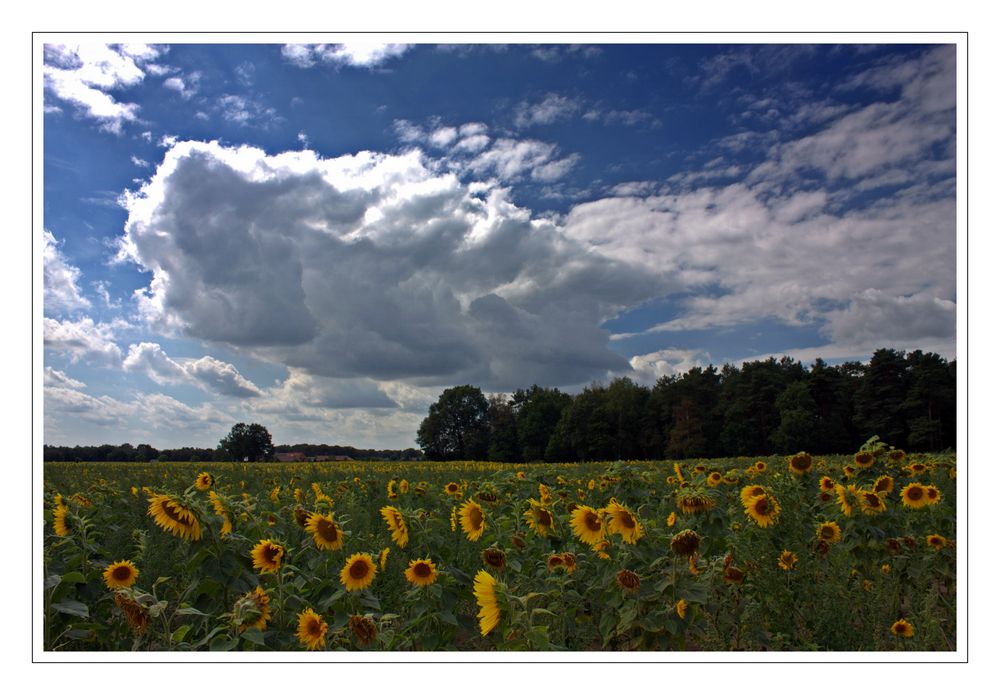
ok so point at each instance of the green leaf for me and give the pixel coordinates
(189, 610)
(255, 636)
(70, 607)
(74, 578)
(222, 644)
(448, 617)
(180, 633)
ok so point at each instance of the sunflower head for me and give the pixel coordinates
(539, 518)
(750, 491)
(473, 520)
(622, 521)
(681, 608)
(59, 520)
(252, 610)
(204, 481)
(628, 580)
(421, 572)
(554, 562)
(495, 558)
(763, 510)
(828, 532)
(120, 575)
(827, 484)
(587, 524)
(897, 455)
(172, 516)
(935, 541)
(453, 489)
(569, 562)
(902, 628)
(933, 494)
(396, 523)
(883, 485)
(914, 495)
(685, 543)
(136, 615)
(312, 630)
(760, 467)
(871, 502)
(864, 459)
(484, 588)
(358, 572)
(787, 560)
(325, 531)
(714, 479)
(363, 628)
(800, 463)
(267, 556)
(846, 498)
(733, 575)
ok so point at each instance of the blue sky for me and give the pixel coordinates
(321, 238)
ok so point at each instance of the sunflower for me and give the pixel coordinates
(267, 556)
(520, 475)
(554, 562)
(714, 479)
(421, 572)
(453, 489)
(220, 509)
(586, 524)
(569, 562)
(473, 520)
(252, 610)
(800, 463)
(495, 558)
(172, 516)
(760, 467)
(864, 459)
(539, 519)
(915, 469)
(397, 525)
(628, 580)
(914, 495)
(672, 519)
(382, 557)
(325, 531)
(364, 629)
(935, 541)
(828, 532)
(622, 521)
(763, 510)
(886, 568)
(827, 484)
(312, 629)
(59, 524)
(871, 502)
(787, 560)
(846, 497)
(751, 491)
(897, 455)
(204, 481)
(685, 543)
(902, 628)
(693, 502)
(136, 615)
(733, 575)
(358, 572)
(484, 588)
(120, 575)
(390, 489)
(933, 494)
(850, 471)
(883, 485)
(544, 494)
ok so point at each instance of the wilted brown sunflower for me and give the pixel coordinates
(363, 628)
(628, 580)
(495, 558)
(685, 543)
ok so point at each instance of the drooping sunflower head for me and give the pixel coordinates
(120, 575)
(685, 543)
(136, 615)
(554, 562)
(864, 459)
(421, 572)
(902, 628)
(787, 560)
(484, 588)
(883, 485)
(364, 629)
(800, 463)
(396, 522)
(59, 520)
(358, 572)
(914, 495)
(252, 610)
(267, 556)
(897, 455)
(312, 629)
(172, 516)
(495, 558)
(628, 580)
(691, 501)
(587, 524)
(539, 518)
(325, 531)
(569, 562)
(936, 541)
(733, 575)
(622, 521)
(763, 510)
(473, 520)
(544, 493)
(204, 481)
(828, 532)
(404, 487)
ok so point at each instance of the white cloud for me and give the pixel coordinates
(186, 86)
(62, 292)
(207, 373)
(359, 55)
(83, 341)
(667, 362)
(554, 107)
(63, 404)
(53, 377)
(86, 74)
(139, 162)
(245, 110)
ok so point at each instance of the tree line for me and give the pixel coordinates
(761, 408)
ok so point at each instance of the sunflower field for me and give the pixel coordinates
(784, 553)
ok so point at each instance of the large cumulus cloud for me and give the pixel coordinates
(372, 265)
